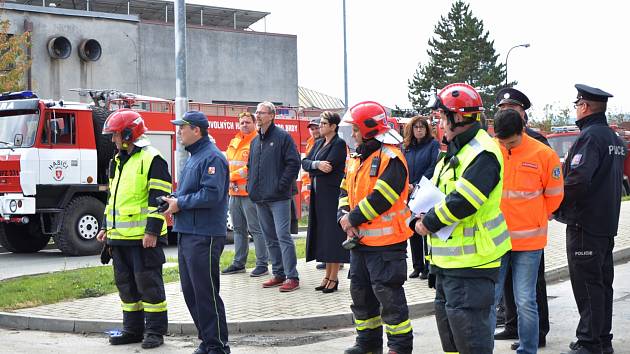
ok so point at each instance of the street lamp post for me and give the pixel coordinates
(525, 45)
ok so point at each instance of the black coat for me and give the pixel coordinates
(593, 173)
(273, 165)
(324, 237)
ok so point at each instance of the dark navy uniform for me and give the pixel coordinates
(202, 197)
(593, 175)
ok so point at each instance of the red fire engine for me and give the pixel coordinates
(53, 161)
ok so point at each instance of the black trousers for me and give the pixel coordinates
(418, 251)
(198, 258)
(462, 313)
(138, 277)
(591, 270)
(511, 317)
(376, 287)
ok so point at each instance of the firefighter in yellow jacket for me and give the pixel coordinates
(373, 213)
(135, 231)
(466, 263)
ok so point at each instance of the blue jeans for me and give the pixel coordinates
(244, 218)
(275, 222)
(524, 265)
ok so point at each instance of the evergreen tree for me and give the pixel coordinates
(13, 59)
(459, 52)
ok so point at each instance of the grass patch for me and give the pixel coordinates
(625, 199)
(303, 221)
(42, 289)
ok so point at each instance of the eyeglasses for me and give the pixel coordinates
(261, 112)
(576, 105)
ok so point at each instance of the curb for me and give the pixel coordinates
(55, 324)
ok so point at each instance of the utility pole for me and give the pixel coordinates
(345, 58)
(181, 94)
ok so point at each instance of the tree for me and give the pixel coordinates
(14, 61)
(459, 52)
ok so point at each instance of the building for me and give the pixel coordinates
(130, 46)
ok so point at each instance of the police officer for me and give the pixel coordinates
(593, 175)
(135, 233)
(373, 214)
(200, 211)
(511, 98)
(466, 264)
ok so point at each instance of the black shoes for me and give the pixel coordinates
(357, 349)
(328, 290)
(577, 348)
(152, 341)
(125, 338)
(505, 334)
(200, 350)
(542, 342)
(424, 275)
(323, 286)
(414, 274)
(232, 269)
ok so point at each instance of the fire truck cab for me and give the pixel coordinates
(54, 160)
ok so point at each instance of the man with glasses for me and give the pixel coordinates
(199, 210)
(242, 210)
(273, 166)
(593, 175)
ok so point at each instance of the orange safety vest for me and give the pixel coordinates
(533, 188)
(237, 155)
(306, 179)
(392, 226)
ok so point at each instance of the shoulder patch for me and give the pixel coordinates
(389, 152)
(555, 174)
(211, 170)
(576, 160)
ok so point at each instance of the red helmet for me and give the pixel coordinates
(127, 122)
(460, 98)
(370, 117)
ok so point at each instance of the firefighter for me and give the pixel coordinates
(313, 128)
(373, 214)
(593, 175)
(466, 265)
(134, 231)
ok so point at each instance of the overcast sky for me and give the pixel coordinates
(571, 42)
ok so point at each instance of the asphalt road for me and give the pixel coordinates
(562, 309)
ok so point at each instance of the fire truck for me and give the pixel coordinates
(54, 160)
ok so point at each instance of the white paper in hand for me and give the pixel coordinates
(424, 197)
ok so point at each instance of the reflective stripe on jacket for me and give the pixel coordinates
(128, 205)
(305, 178)
(390, 227)
(237, 154)
(533, 188)
(478, 240)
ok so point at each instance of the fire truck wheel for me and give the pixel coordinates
(80, 224)
(23, 238)
(104, 146)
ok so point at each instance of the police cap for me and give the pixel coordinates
(513, 96)
(591, 94)
(195, 118)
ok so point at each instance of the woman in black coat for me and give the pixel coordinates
(421, 152)
(325, 164)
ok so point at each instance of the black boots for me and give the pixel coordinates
(357, 349)
(148, 342)
(152, 341)
(125, 338)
